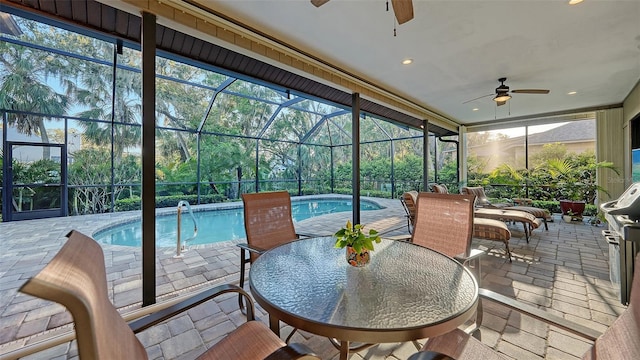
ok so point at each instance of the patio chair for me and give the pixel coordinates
(620, 341)
(521, 204)
(408, 200)
(267, 223)
(444, 222)
(76, 278)
(481, 198)
(439, 188)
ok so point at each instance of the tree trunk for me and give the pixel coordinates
(46, 151)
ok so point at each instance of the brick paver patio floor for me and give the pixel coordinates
(564, 270)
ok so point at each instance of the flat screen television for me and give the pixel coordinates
(635, 165)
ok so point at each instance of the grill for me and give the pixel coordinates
(623, 236)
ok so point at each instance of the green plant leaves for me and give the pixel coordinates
(355, 237)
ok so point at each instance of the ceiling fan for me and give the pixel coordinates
(502, 93)
(402, 8)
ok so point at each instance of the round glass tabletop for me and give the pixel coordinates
(405, 286)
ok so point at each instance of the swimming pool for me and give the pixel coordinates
(216, 225)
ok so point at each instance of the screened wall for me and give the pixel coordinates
(217, 136)
(545, 162)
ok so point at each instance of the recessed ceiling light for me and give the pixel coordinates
(574, 2)
(407, 61)
(572, 92)
(475, 109)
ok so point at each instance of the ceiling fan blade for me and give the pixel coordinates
(403, 10)
(500, 103)
(530, 91)
(319, 3)
(478, 98)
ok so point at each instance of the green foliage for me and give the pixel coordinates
(40, 172)
(355, 237)
(92, 166)
(575, 176)
(548, 152)
(135, 203)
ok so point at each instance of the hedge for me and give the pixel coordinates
(168, 201)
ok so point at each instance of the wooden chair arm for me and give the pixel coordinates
(541, 315)
(195, 300)
(293, 351)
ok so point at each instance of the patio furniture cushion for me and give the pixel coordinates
(542, 214)
(481, 198)
(491, 229)
(537, 212)
(439, 188)
(528, 221)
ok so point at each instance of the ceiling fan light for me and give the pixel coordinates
(502, 97)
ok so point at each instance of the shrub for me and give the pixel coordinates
(168, 201)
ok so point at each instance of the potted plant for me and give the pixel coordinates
(576, 180)
(568, 216)
(357, 242)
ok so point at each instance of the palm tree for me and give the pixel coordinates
(23, 87)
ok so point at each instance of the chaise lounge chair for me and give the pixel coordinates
(484, 228)
(522, 205)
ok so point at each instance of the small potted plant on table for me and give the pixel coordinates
(357, 242)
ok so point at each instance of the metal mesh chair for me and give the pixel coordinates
(267, 223)
(76, 278)
(444, 222)
(408, 201)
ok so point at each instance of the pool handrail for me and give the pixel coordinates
(179, 245)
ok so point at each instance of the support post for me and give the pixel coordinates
(148, 159)
(355, 162)
(426, 156)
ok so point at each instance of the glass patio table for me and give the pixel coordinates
(407, 292)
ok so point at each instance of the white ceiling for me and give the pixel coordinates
(461, 47)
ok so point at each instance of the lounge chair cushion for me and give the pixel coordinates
(509, 215)
(481, 198)
(439, 188)
(537, 212)
(491, 229)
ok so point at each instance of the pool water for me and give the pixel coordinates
(215, 225)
